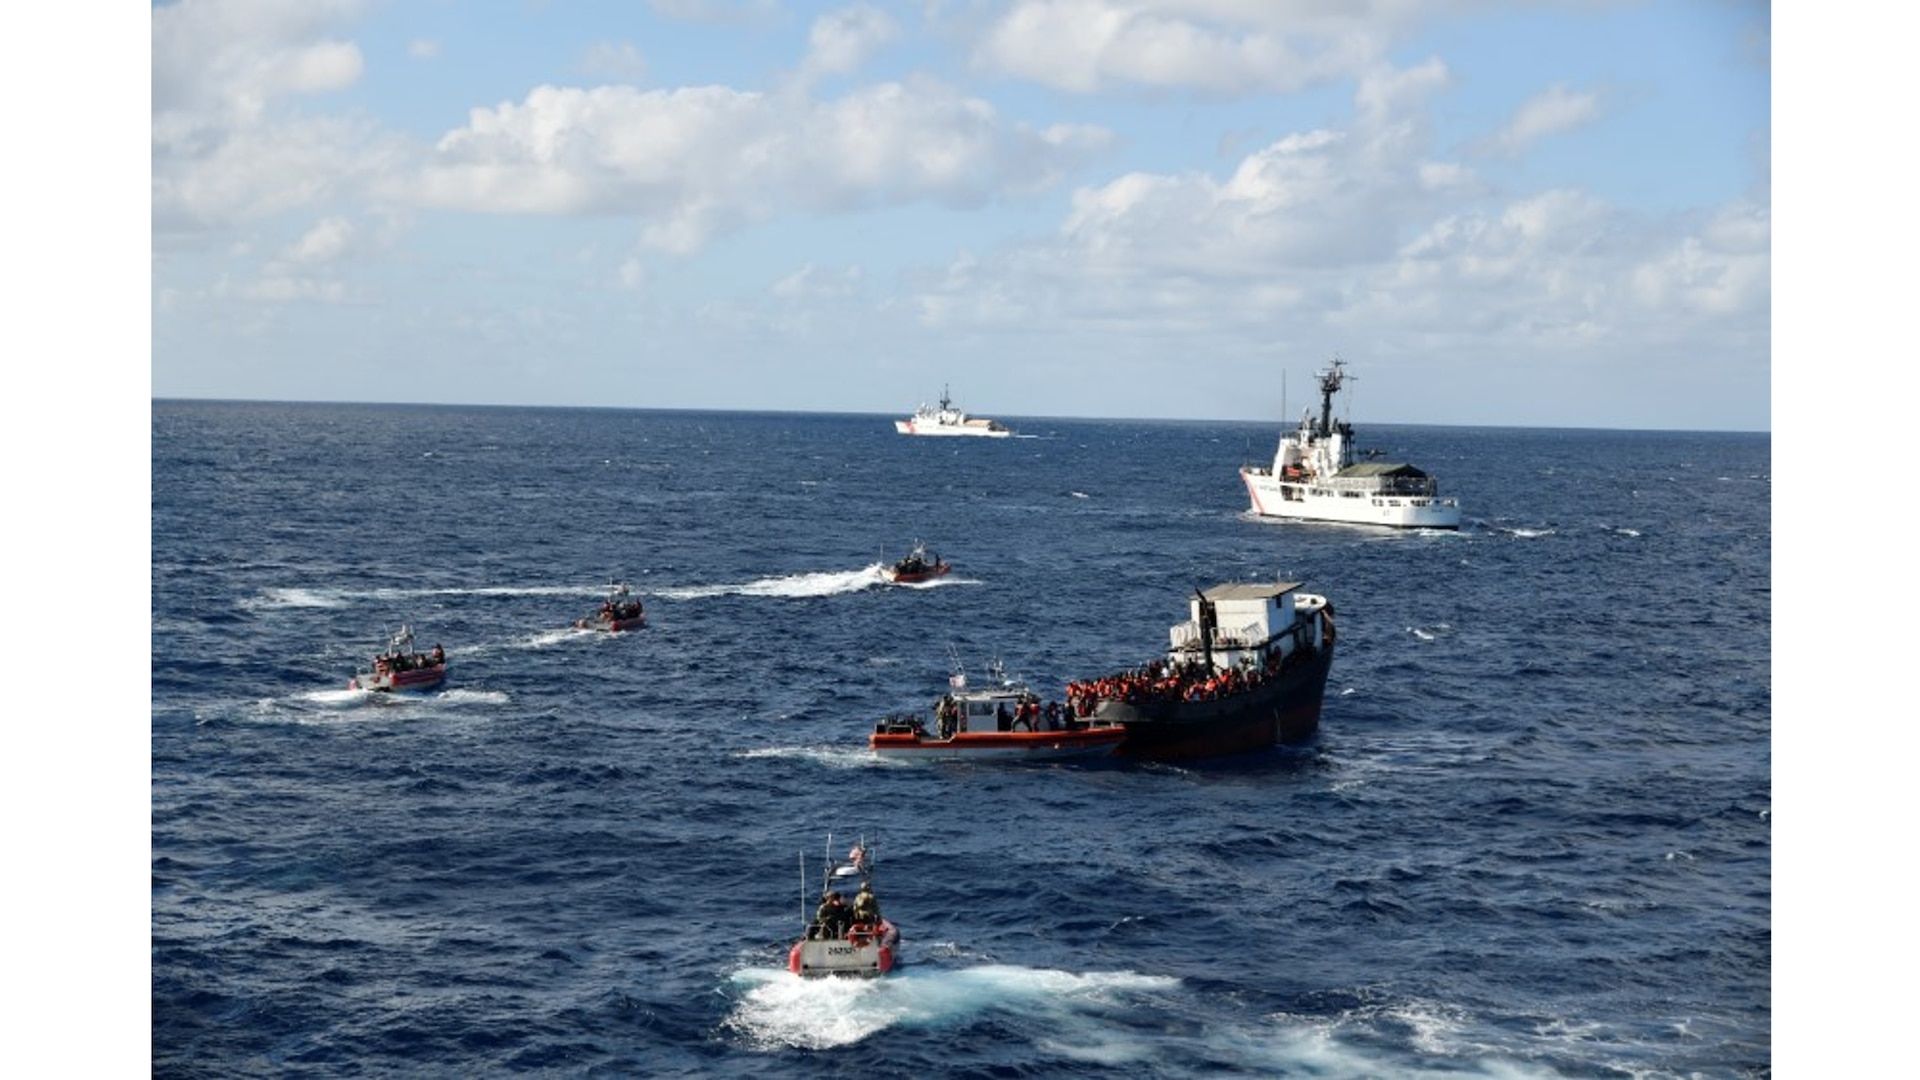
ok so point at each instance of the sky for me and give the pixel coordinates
(1514, 214)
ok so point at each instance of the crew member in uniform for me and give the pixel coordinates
(832, 917)
(866, 908)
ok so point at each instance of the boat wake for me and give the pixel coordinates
(296, 597)
(275, 599)
(836, 757)
(463, 696)
(344, 706)
(340, 699)
(779, 1010)
(823, 583)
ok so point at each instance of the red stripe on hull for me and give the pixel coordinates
(418, 679)
(999, 744)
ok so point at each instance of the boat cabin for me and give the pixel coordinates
(983, 710)
(1240, 624)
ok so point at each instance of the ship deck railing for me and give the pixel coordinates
(1403, 487)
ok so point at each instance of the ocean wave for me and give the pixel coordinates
(780, 1009)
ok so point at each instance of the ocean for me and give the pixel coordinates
(1532, 837)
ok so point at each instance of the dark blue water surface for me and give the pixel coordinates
(1531, 839)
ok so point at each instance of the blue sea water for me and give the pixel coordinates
(1531, 839)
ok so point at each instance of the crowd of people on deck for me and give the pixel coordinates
(619, 610)
(621, 607)
(1161, 680)
(916, 562)
(398, 661)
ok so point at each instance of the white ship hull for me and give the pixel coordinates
(947, 420)
(865, 954)
(1318, 475)
(1272, 497)
(976, 427)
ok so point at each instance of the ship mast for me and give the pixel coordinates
(1330, 381)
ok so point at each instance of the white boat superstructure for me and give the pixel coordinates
(947, 420)
(1316, 476)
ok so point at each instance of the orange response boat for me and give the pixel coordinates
(847, 936)
(621, 610)
(917, 566)
(402, 667)
(1000, 721)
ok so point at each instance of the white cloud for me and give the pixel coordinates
(1725, 268)
(1216, 47)
(691, 163)
(260, 169)
(222, 150)
(1553, 112)
(1313, 199)
(617, 60)
(721, 12)
(632, 275)
(281, 287)
(694, 163)
(328, 240)
(423, 48)
(1393, 98)
(226, 60)
(841, 41)
(813, 282)
(1358, 234)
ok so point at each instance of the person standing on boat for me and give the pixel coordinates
(832, 916)
(866, 907)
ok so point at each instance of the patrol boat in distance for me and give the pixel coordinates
(916, 567)
(1315, 476)
(1247, 670)
(621, 610)
(947, 420)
